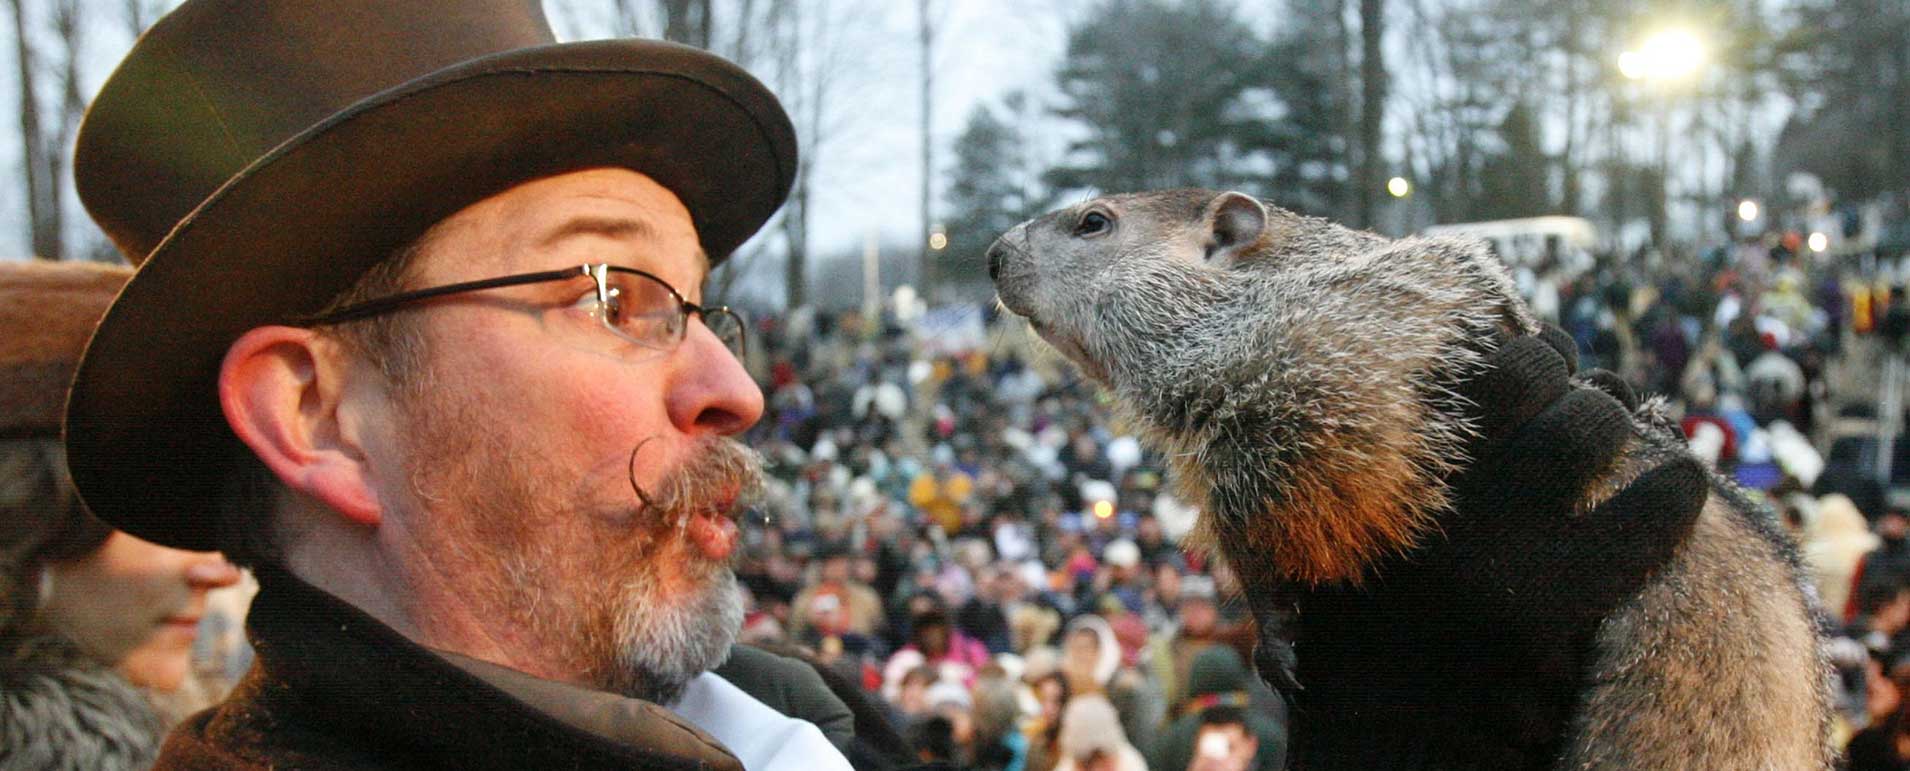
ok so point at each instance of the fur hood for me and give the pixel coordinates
(60, 710)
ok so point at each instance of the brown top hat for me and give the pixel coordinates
(47, 310)
(254, 157)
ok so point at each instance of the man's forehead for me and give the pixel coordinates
(535, 219)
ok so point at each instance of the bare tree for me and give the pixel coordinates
(44, 138)
(809, 52)
(140, 14)
(688, 21)
(43, 235)
(925, 35)
(1372, 109)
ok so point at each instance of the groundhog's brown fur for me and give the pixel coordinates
(1298, 377)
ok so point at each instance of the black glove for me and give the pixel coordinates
(1519, 540)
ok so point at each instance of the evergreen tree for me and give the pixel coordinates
(1173, 93)
(986, 196)
(1513, 182)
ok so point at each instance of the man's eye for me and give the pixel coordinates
(611, 309)
(1092, 223)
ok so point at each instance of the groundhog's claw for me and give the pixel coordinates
(1273, 654)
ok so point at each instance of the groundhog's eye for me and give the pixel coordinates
(1093, 223)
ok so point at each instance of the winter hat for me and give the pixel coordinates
(1198, 587)
(1108, 653)
(1090, 724)
(947, 693)
(1216, 669)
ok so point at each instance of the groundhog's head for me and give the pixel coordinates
(1295, 373)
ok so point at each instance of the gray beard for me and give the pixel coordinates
(662, 644)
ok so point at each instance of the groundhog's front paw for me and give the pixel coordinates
(1273, 654)
(1277, 665)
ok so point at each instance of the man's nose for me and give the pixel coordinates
(715, 394)
(211, 571)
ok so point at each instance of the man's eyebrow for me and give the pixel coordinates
(617, 228)
(608, 227)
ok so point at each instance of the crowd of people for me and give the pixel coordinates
(971, 539)
(972, 536)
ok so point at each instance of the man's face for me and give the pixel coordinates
(1197, 616)
(509, 477)
(836, 569)
(1225, 747)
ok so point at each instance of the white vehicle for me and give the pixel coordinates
(1526, 242)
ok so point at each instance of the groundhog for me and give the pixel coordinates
(1426, 598)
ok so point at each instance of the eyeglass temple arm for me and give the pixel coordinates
(382, 305)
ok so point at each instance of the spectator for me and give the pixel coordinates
(1894, 329)
(1091, 738)
(1839, 538)
(908, 695)
(1884, 745)
(1883, 615)
(984, 617)
(1775, 383)
(1888, 565)
(934, 643)
(1171, 654)
(1224, 743)
(940, 494)
(1043, 728)
(1124, 578)
(1218, 697)
(96, 626)
(1091, 659)
(836, 604)
(999, 744)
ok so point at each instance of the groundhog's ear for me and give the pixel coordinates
(1236, 223)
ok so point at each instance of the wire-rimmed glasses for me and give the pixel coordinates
(635, 305)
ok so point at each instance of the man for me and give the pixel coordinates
(1218, 697)
(418, 335)
(1224, 742)
(1171, 653)
(836, 604)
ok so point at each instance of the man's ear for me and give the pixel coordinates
(281, 389)
(1236, 227)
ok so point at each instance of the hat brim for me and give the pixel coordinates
(146, 441)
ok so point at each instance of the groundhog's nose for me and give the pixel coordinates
(997, 252)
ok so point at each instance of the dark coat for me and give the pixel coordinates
(333, 688)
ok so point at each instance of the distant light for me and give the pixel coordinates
(1399, 187)
(1747, 210)
(1669, 54)
(1103, 509)
(1631, 64)
(1818, 242)
(938, 241)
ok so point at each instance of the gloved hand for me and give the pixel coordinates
(1521, 539)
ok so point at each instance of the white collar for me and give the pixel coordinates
(761, 737)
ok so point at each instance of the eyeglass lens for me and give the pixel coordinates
(651, 314)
